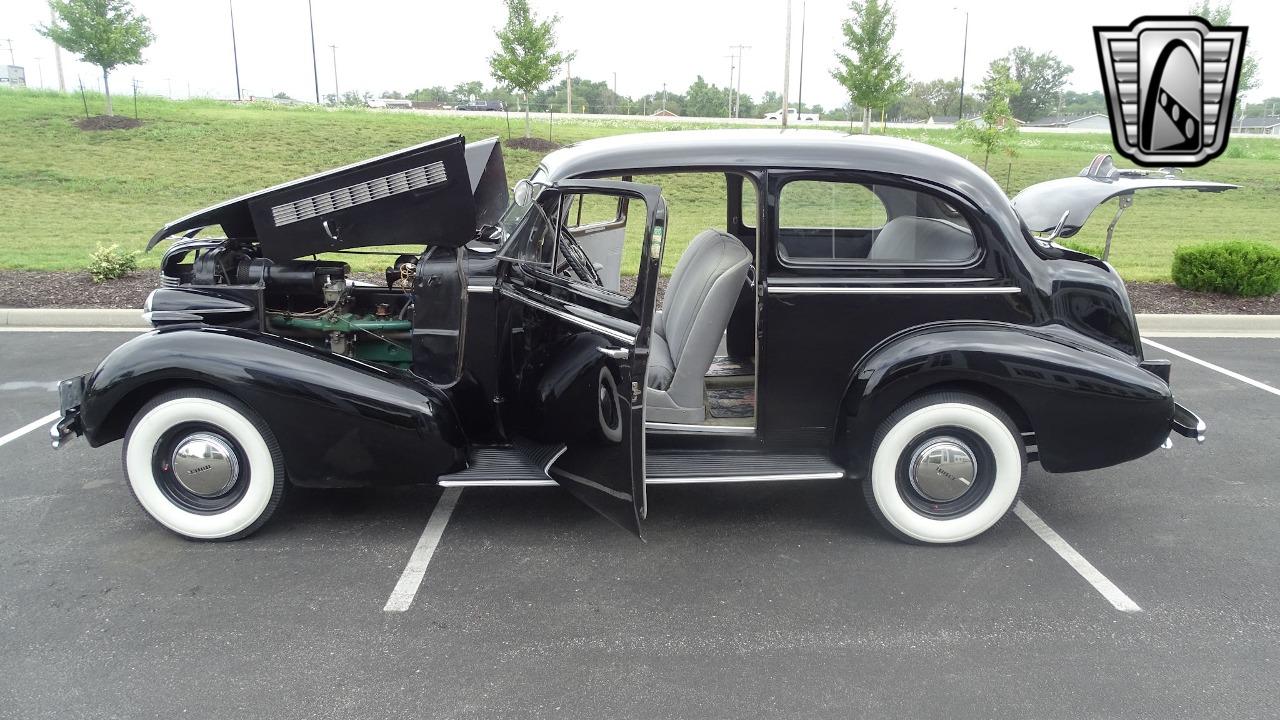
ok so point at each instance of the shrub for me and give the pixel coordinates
(1083, 247)
(110, 262)
(1234, 268)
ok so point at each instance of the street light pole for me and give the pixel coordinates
(235, 55)
(804, 11)
(786, 71)
(315, 67)
(964, 59)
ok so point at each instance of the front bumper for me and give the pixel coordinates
(1187, 423)
(70, 397)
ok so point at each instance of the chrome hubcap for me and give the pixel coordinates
(205, 464)
(943, 469)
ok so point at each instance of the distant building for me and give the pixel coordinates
(1266, 125)
(664, 113)
(1092, 121)
(13, 76)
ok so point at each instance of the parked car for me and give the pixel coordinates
(880, 311)
(793, 115)
(483, 106)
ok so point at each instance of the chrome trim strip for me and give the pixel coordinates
(668, 428)
(496, 483)
(485, 289)
(582, 322)
(359, 194)
(694, 480)
(881, 290)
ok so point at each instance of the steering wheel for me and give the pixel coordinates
(575, 259)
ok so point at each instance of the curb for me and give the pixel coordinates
(72, 318)
(1262, 326)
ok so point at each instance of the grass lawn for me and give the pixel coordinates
(66, 190)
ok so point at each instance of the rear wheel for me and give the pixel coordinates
(203, 465)
(945, 468)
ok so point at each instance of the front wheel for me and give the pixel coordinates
(945, 468)
(203, 465)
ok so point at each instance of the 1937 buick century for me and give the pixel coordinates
(871, 309)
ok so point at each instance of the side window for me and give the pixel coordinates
(834, 222)
(830, 205)
(593, 210)
(604, 241)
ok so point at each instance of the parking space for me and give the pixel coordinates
(764, 600)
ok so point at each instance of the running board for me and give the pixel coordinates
(519, 465)
(683, 467)
(526, 466)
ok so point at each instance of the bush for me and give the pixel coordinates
(1234, 268)
(110, 262)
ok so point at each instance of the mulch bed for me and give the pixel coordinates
(536, 144)
(29, 289)
(108, 122)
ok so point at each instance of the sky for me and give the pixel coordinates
(401, 45)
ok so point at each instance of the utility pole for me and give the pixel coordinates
(804, 11)
(170, 82)
(568, 86)
(11, 60)
(730, 87)
(40, 71)
(664, 96)
(57, 54)
(235, 55)
(615, 92)
(336, 97)
(964, 58)
(786, 71)
(737, 90)
(315, 67)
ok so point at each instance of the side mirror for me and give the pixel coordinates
(523, 193)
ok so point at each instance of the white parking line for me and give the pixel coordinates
(1215, 368)
(29, 427)
(407, 588)
(1105, 587)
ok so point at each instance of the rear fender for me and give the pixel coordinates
(1088, 407)
(339, 422)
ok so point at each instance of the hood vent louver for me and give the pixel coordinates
(360, 193)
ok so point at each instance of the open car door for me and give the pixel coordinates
(574, 351)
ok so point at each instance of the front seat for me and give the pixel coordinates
(687, 330)
(914, 238)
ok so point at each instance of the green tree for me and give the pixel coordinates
(527, 57)
(435, 93)
(1041, 78)
(1221, 15)
(995, 128)
(465, 92)
(704, 100)
(872, 73)
(772, 100)
(106, 33)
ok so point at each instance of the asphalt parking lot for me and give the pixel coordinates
(758, 601)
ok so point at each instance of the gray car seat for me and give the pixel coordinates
(687, 330)
(919, 238)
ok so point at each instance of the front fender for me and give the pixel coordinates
(339, 422)
(1089, 406)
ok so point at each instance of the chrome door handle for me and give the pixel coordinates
(615, 353)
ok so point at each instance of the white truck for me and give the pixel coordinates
(793, 116)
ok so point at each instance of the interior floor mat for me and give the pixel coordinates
(731, 402)
(725, 366)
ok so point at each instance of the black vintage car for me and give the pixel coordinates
(864, 308)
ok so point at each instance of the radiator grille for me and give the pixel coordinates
(360, 193)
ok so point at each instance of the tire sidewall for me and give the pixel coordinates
(262, 470)
(990, 426)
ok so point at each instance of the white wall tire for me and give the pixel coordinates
(999, 464)
(255, 467)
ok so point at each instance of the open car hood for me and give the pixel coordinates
(437, 193)
(1041, 205)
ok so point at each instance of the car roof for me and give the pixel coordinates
(773, 148)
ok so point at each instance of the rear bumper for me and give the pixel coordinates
(70, 397)
(1187, 423)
